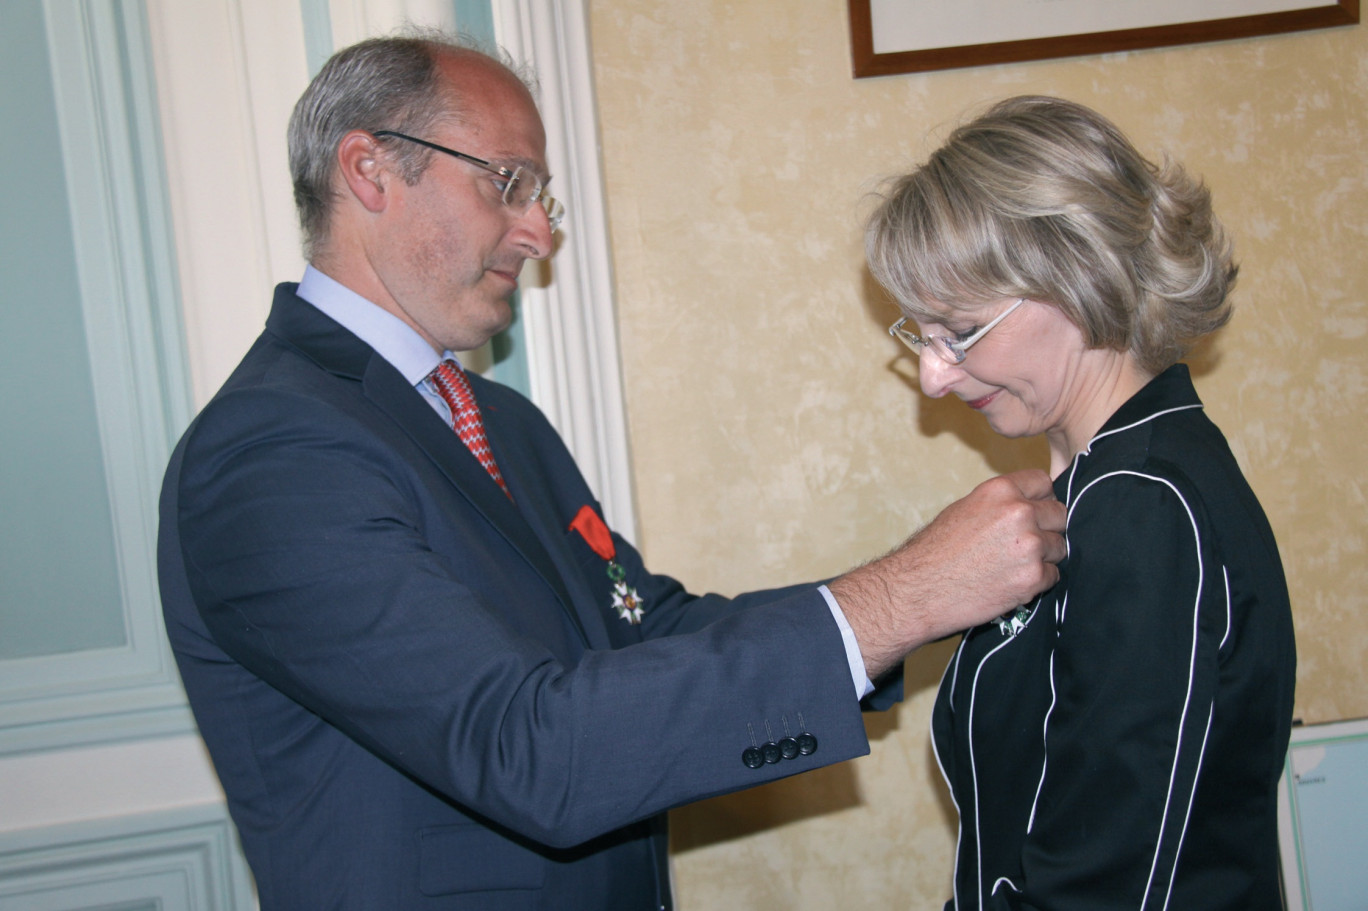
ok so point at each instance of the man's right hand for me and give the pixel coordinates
(982, 556)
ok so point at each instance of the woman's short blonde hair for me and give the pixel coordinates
(1046, 199)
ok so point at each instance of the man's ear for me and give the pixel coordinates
(360, 161)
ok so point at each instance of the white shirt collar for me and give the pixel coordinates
(392, 338)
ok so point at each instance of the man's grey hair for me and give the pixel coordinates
(388, 83)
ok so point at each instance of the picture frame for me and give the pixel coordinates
(890, 37)
(1322, 799)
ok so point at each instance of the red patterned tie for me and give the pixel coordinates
(450, 381)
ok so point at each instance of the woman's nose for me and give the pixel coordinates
(934, 374)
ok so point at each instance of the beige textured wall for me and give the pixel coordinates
(777, 434)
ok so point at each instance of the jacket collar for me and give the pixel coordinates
(1170, 391)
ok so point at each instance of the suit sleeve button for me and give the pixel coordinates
(788, 747)
(752, 758)
(807, 744)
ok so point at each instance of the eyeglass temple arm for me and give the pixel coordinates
(436, 148)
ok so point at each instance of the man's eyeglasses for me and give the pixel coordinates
(950, 350)
(521, 186)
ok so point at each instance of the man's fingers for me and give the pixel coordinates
(1051, 515)
(1033, 483)
(1055, 547)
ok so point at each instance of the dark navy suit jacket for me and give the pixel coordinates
(415, 691)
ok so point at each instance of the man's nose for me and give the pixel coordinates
(534, 232)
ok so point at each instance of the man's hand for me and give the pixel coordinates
(982, 556)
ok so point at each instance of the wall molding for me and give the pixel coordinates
(570, 323)
(184, 859)
(228, 73)
(106, 106)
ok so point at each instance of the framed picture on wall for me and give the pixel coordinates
(912, 36)
(1322, 801)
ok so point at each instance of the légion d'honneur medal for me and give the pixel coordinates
(626, 601)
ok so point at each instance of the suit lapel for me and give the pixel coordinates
(539, 503)
(340, 352)
(390, 391)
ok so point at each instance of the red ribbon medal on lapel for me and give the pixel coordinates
(626, 601)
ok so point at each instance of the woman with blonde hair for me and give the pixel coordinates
(1117, 742)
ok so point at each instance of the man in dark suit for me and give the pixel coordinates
(428, 674)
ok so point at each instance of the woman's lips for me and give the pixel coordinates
(980, 403)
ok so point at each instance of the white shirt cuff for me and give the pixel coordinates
(863, 685)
